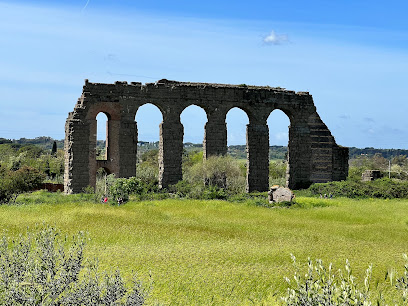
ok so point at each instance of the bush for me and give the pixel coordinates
(220, 171)
(40, 268)
(184, 189)
(122, 188)
(382, 188)
(253, 199)
(147, 169)
(401, 283)
(214, 192)
(321, 286)
(13, 183)
(6, 190)
(26, 179)
(277, 172)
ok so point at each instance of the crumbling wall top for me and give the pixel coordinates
(197, 85)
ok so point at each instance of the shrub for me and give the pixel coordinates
(184, 189)
(382, 188)
(181, 189)
(401, 283)
(217, 171)
(26, 179)
(214, 192)
(321, 286)
(41, 268)
(147, 169)
(6, 190)
(252, 199)
(122, 188)
(277, 172)
(13, 183)
(148, 174)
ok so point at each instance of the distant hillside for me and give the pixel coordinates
(237, 151)
(43, 142)
(386, 153)
(275, 152)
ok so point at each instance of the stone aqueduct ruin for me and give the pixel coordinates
(313, 154)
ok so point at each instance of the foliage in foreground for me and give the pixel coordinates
(223, 253)
(322, 285)
(41, 269)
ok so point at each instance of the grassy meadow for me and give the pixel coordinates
(218, 252)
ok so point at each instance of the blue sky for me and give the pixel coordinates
(350, 55)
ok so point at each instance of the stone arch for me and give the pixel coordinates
(284, 121)
(111, 158)
(278, 124)
(314, 154)
(195, 111)
(142, 133)
(200, 106)
(193, 117)
(105, 133)
(151, 109)
(147, 102)
(248, 111)
(244, 119)
(110, 109)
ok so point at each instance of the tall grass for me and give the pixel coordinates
(223, 253)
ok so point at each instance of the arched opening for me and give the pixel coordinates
(237, 121)
(148, 119)
(193, 119)
(102, 135)
(278, 123)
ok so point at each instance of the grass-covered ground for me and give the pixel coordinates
(222, 253)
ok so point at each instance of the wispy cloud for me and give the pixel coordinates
(110, 57)
(369, 119)
(275, 39)
(87, 2)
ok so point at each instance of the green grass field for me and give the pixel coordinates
(222, 253)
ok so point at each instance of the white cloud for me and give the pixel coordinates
(281, 136)
(275, 39)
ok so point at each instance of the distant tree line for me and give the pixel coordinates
(24, 164)
(370, 152)
(237, 151)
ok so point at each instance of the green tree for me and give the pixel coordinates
(220, 171)
(54, 148)
(12, 183)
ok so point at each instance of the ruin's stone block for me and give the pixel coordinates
(279, 194)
